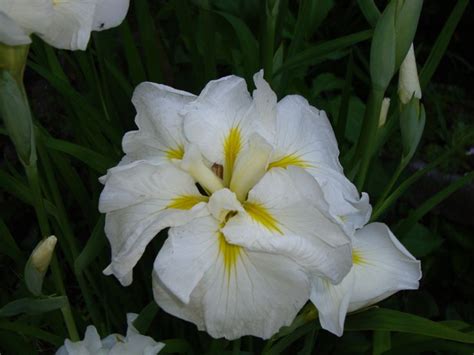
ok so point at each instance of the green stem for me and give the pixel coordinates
(367, 138)
(388, 188)
(33, 180)
(268, 38)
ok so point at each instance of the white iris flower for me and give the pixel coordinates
(259, 208)
(65, 24)
(114, 344)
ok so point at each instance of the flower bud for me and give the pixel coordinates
(384, 111)
(38, 263)
(408, 83)
(42, 254)
(412, 124)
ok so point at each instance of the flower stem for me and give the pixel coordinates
(368, 135)
(33, 180)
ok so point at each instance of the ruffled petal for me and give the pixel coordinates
(216, 122)
(109, 13)
(230, 292)
(159, 137)
(285, 213)
(304, 138)
(141, 199)
(71, 24)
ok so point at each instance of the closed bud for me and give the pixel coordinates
(38, 263)
(384, 111)
(408, 82)
(42, 254)
(412, 124)
(13, 59)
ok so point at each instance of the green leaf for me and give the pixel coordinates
(248, 43)
(32, 306)
(8, 244)
(313, 54)
(94, 160)
(93, 247)
(369, 10)
(176, 346)
(395, 321)
(146, 316)
(381, 342)
(34, 332)
(442, 43)
(432, 202)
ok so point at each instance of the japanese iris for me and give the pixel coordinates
(261, 215)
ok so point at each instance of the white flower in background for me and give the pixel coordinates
(114, 344)
(65, 24)
(259, 208)
(382, 267)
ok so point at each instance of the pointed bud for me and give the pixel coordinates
(42, 254)
(408, 83)
(38, 263)
(384, 111)
(412, 124)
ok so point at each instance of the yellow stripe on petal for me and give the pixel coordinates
(260, 214)
(186, 202)
(287, 160)
(229, 252)
(176, 153)
(232, 147)
(358, 258)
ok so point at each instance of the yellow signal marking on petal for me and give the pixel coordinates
(176, 153)
(232, 147)
(186, 202)
(229, 252)
(260, 214)
(357, 257)
(287, 160)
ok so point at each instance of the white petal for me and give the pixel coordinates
(304, 132)
(346, 205)
(29, 15)
(134, 342)
(11, 33)
(264, 107)
(385, 266)
(109, 13)
(140, 200)
(285, 214)
(160, 127)
(90, 345)
(236, 292)
(218, 112)
(304, 138)
(332, 302)
(222, 202)
(71, 25)
(382, 266)
(250, 166)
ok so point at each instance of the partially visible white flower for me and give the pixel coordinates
(408, 82)
(64, 24)
(381, 267)
(114, 344)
